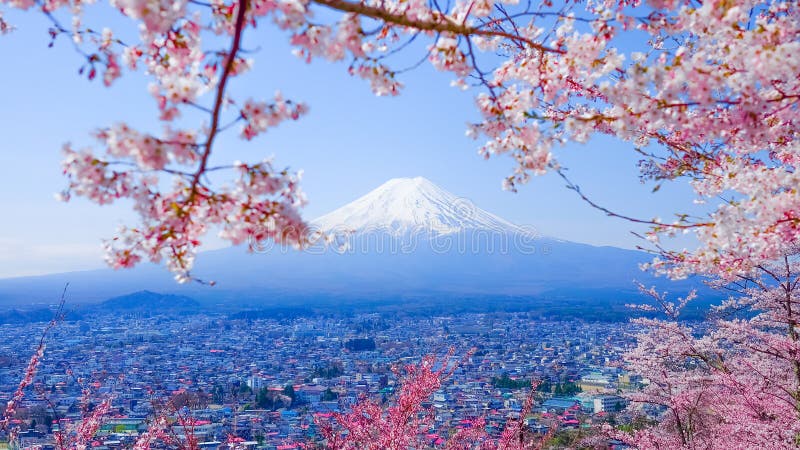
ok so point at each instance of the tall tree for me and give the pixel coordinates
(732, 381)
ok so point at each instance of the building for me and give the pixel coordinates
(609, 403)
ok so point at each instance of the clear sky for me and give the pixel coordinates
(350, 143)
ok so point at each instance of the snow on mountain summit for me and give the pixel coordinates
(403, 205)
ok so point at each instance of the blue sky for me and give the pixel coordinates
(350, 143)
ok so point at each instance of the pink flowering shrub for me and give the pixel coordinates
(172, 423)
(19, 393)
(156, 431)
(407, 421)
(399, 426)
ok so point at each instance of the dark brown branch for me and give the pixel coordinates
(443, 25)
(220, 96)
(577, 189)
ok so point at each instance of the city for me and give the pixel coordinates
(268, 382)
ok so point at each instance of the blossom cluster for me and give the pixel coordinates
(400, 426)
(261, 204)
(259, 116)
(156, 431)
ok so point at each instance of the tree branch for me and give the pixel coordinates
(442, 25)
(220, 97)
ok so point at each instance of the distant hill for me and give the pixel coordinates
(18, 316)
(149, 301)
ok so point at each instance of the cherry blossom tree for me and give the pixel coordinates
(406, 422)
(80, 435)
(732, 381)
(706, 90)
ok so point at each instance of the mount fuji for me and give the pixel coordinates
(407, 239)
(407, 205)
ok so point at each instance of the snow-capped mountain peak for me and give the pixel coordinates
(403, 205)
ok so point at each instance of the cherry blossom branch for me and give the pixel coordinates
(33, 365)
(444, 25)
(574, 187)
(220, 95)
